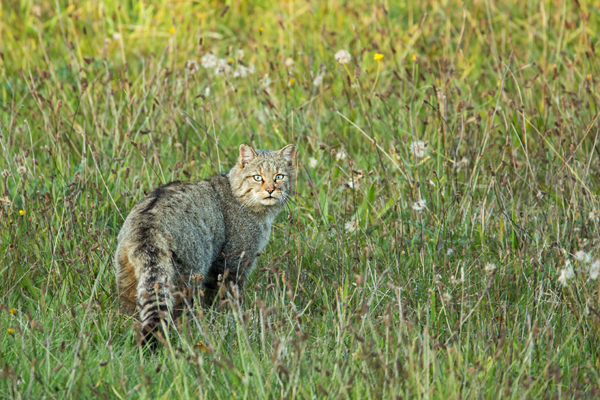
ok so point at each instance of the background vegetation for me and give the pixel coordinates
(460, 267)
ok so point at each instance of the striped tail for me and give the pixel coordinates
(155, 302)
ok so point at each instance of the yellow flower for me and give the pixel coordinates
(21, 212)
(172, 30)
(202, 347)
(589, 76)
(11, 331)
(292, 81)
(378, 57)
(260, 29)
(13, 311)
(415, 57)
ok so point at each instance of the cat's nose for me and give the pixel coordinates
(270, 190)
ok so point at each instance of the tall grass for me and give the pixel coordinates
(443, 239)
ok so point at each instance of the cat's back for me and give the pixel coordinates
(182, 216)
(193, 201)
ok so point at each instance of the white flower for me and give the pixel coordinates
(223, 67)
(22, 169)
(449, 252)
(265, 82)
(289, 62)
(192, 66)
(417, 149)
(351, 226)
(312, 162)
(352, 184)
(318, 80)
(419, 205)
(340, 155)
(489, 268)
(243, 72)
(209, 61)
(239, 54)
(343, 57)
(566, 274)
(583, 256)
(207, 91)
(595, 270)
(116, 36)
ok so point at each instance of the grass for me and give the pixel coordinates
(393, 274)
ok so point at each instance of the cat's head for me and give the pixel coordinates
(263, 179)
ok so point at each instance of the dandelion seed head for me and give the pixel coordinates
(318, 80)
(583, 257)
(312, 162)
(243, 72)
(265, 82)
(192, 66)
(595, 270)
(209, 61)
(343, 57)
(239, 54)
(351, 226)
(566, 274)
(419, 205)
(489, 268)
(417, 149)
(289, 62)
(223, 67)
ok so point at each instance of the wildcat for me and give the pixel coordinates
(187, 229)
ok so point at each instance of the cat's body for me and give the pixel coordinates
(186, 229)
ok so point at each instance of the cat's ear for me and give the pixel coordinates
(288, 153)
(247, 154)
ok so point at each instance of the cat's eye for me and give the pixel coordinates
(279, 177)
(257, 178)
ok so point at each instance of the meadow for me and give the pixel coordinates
(443, 240)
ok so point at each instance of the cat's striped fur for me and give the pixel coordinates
(186, 229)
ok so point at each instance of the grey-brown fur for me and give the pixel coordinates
(187, 228)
